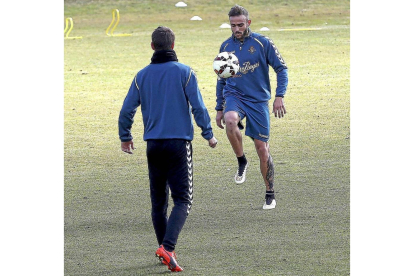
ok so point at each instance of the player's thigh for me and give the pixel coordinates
(180, 172)
(157, 170)
(233, 110)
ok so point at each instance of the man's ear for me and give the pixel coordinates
(152, 46)
(172, 46)
(249, 22)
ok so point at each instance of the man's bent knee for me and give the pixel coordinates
(231, 119)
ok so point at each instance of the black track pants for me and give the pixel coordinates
(170, 167)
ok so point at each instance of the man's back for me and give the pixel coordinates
(164, 104)
(168, 93)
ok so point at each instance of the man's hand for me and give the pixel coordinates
(279, 107)
(220, 119)
(212, 142)
(127, 147)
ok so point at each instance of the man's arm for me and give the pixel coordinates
(278, 64)
(219, 93)
(126, 117)
(220, 101)
(199, 110)
(278, 105)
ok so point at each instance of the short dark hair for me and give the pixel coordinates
(237, 10)
(163, 38)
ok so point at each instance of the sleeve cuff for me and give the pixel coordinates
(209, 136)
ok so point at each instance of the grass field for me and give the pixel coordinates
(108, 229)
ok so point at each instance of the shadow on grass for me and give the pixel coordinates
(142, 269)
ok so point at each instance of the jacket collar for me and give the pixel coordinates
(163, 56)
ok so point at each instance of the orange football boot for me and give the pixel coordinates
(168, 258)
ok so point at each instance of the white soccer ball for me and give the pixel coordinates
(226, 65)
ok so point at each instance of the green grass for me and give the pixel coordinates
(108, 229)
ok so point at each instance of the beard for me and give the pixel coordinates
(243, 35)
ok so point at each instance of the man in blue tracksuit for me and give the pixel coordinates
(168, 94)
(247, 93)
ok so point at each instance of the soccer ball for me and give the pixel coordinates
(226, 65)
